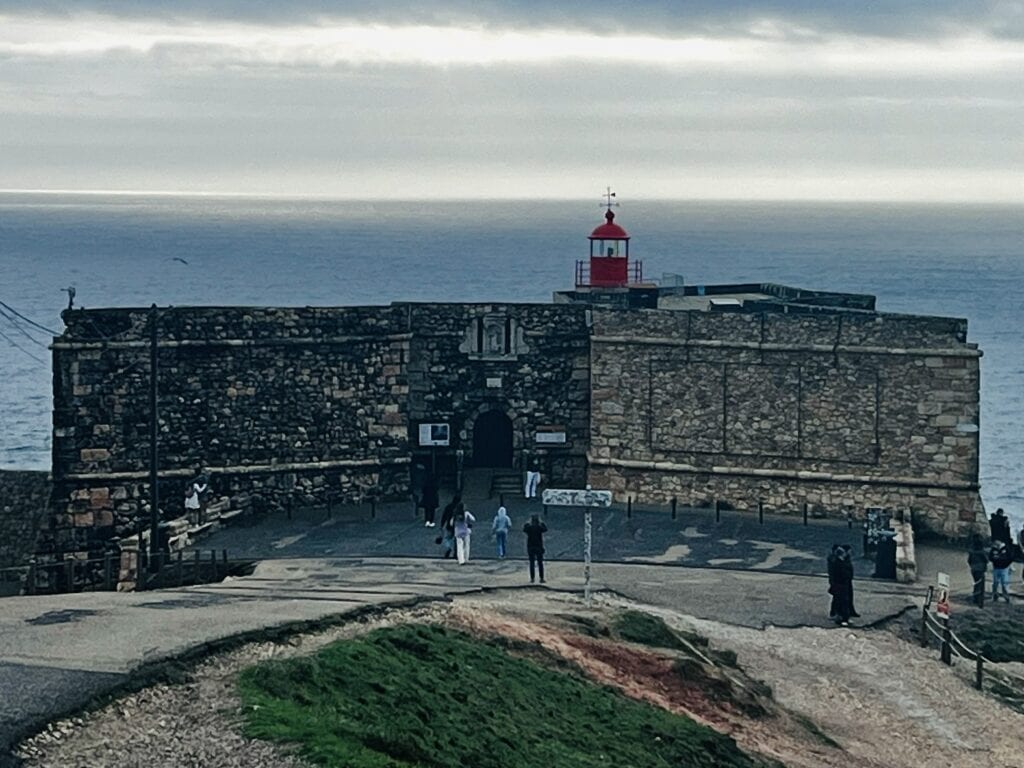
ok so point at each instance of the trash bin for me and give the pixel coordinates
(885, 556)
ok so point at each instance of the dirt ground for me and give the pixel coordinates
(883, 701)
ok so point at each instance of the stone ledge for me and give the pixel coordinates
(779, 474)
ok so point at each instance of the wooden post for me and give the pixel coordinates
(195, 569)
(924, 626)
(213, 565)
(806, 506)
(674, 502)
(30, 579)
(760, 511)
(947, 647)
(224, 561)
(106, 572)
(718, 511)
(629, 506)
(979, 676)
(69, 572)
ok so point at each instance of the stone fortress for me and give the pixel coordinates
(738, 393)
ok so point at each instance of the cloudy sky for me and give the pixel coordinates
(901, 100)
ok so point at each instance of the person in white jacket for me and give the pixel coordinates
(463, 532)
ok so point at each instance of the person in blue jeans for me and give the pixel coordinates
(501, 525)
(1002, 560)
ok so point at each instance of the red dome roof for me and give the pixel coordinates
(609, 230)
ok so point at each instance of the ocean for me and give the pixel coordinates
(958, 260)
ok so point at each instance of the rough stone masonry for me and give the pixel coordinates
(788, 397)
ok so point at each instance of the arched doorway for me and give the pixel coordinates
(492, 440)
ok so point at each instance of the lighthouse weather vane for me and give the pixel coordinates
(608, 195)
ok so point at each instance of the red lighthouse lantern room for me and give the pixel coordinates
(609, 264)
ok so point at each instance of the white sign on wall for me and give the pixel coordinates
(434, 434)
(567, 497)
(550, 437)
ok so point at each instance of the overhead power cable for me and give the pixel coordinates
(31, 322)
(14, 322)
(17, 346)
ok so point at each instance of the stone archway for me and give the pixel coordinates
(492, 440)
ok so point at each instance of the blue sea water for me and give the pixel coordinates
(959, 260)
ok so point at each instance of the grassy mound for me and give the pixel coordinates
(427, 696)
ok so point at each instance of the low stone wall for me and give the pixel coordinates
(906, 559)
(24, 497)
(949, 512)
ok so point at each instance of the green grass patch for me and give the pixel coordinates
(645, 629)
(999, 637)
(427, 696)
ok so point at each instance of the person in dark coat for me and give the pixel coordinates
(448, 525)
(849, 559)
(535, 531)
(999, 526)
(977, 561)
(429, 500)
(841, 585)
(830, 563)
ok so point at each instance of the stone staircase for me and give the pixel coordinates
(507, 482)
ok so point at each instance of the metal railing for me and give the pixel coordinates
(634, 272)
(938, 626)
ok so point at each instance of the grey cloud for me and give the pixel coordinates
(887, 18)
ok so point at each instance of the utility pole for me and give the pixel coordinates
(154, 455)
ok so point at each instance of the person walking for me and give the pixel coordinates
(429, 500)
(977, 561)
(535, 531)
(448, 525)
(1001, 560)
(463, 525)
(500, 526)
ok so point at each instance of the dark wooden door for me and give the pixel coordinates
(492, 440)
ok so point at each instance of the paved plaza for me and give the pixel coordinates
(781, 544)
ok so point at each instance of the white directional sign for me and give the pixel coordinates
(564, 497)
(567, 497)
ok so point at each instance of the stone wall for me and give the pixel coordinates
(24, 500)
(841, 411)
(278, 406)
(462, 367)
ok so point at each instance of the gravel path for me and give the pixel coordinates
(886, 701)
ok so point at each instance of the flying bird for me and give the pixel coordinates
(178, 258)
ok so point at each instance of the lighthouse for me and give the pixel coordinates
(609, 265)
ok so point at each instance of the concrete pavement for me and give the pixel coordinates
(738, 540)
